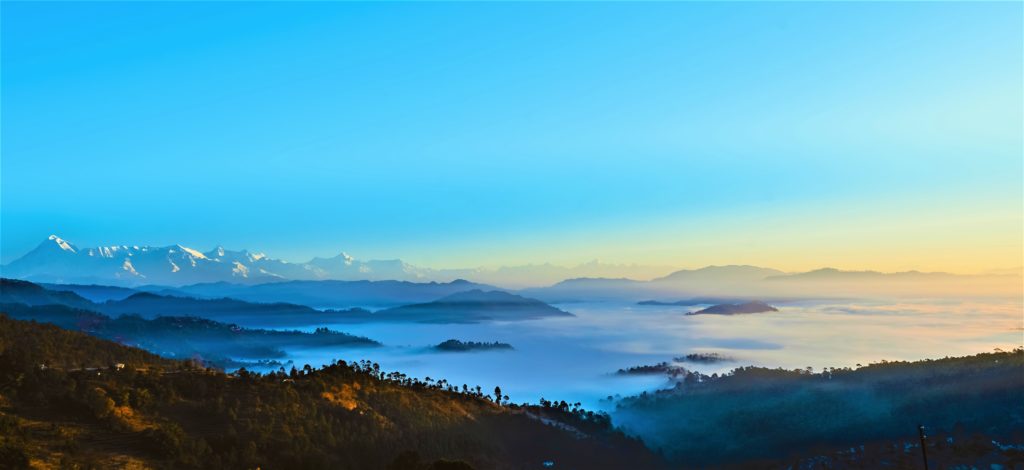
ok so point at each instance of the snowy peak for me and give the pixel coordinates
(231, 256)
(60, 243)
(108, 251)
(189, 251)
(57, 260)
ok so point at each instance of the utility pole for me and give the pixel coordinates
(924, 445)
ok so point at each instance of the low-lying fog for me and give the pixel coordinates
(575, 359)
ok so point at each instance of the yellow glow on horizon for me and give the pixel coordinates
(949, 236)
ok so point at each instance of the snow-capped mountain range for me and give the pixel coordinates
(57, 260)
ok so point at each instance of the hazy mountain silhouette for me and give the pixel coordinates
(838, 282)
(726, 280)
(56, 260)
(589, 289)
(747, 282)
(731, 273)
(93, 292)
(331, 294)
(838, 274)
(183, 336)
(59, 261)
(24, 292)
(690, 302)
(754, 306)
(224, 309)
(152, 305)
(171, 325)
(472, 307)
(546, 274)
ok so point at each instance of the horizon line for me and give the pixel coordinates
(992, 271)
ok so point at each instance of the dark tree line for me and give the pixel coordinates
(778, 415)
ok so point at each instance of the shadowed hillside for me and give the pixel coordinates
(93, 292)
(772, 414)
(213, 343)
(24, 292)
(238, 311)
(151, 305)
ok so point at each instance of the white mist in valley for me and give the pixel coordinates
(576, 358)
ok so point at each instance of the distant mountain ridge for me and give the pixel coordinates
(839, 274)
(24, 292)
(470, 307)
(750, 282)
(730, 273)
(57, 260)
(150, 305)
(93, 292)
(183, 336)
(178, 267)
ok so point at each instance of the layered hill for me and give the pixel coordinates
(63, 405)
(93, 292)
(754, 417)
(215, 343)
(23, 292)
(223, 309)
(328, 293)
(172, 326)
(472, 307)
(151, 305)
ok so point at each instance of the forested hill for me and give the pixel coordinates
(149, 305)
(212, 342)
(852, 418)
(63, 404)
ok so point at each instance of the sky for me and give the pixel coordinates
(794, 135)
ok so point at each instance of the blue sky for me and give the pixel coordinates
(858, 135)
